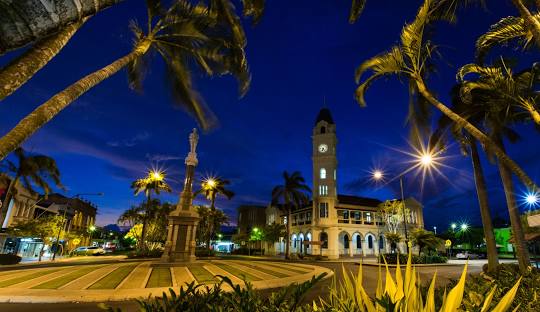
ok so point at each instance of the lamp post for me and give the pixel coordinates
(426, 160)
(64, 223)
(92, 228)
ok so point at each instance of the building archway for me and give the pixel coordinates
(309, 250)
(370, 244)
(357, 243)
(300, 246)
(344, 243)
(323, 238)
(294, 242)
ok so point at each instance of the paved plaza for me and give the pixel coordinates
(129, 280)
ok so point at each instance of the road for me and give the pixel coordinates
(444, 274)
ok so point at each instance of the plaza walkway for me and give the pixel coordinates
(129, 280)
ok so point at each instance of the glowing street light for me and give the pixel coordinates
(156, 175)
(464, 227)
(453, 226)
(426, 159)
(532, 199)
(377, 175)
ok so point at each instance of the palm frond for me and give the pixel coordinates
(356, 10)
(254, 9)
(504, 31)
(390, 63)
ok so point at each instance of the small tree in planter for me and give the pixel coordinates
(393, 239)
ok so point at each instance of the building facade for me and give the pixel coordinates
(333, 224)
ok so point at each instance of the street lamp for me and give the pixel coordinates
(64, 221)
(464, 227)
(453, 226)
(532, 199)
(435, 230)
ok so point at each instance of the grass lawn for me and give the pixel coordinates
(237, 272)
(160, 277)
(63, 280)
(113, 279)
(26, 277)
(202, 275)
(288, 268)
(265, 270)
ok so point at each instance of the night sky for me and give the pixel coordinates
(302, 54)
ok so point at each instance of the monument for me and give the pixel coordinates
(182, 228)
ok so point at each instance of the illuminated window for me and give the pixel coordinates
(323, 190)
(334, 174)
(324, 240)
(323, 173)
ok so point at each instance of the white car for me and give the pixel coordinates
(467, 255)
(90, 250)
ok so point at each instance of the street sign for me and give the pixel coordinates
(76, 241)
(448, 243)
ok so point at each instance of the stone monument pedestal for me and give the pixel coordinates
(183, 221)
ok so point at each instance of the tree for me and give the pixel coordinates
(273, 232)
(155, 183)
(475, 113)
(208, 220)
(211, 188)
(423, 239)
(131, 216)
(410, 60)
(392, 212)
(498, 113)
(291, 194)
(45, 228)
(31, 170)
(186, 37)
(394, 239)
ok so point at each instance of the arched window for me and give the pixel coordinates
(324, 240)
(323, 129)
(370, 241)
(358, 241)
(346, 241)
(323, 173)
(381, 242)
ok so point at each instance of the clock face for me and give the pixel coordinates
(323, 148)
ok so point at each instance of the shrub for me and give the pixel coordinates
(9, 259)
(204, 252)
(196, 298)
(145, 253)
(422, 259)
(504, 278)
(247, 251)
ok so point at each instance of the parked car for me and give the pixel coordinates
(467, 255)
(89, 251)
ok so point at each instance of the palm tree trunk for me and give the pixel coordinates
(211, 217)
(485, 212)
(517, 229)
(145, 222)
(7, 199)
(48, 110)
(288, 238)
(532, 23)
(22, 68)
(486, 142)
(23, 22)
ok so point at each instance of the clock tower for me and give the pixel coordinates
(324, 168)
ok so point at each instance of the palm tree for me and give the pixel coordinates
(211, 188)
(531, 20)
(473, 112)
(186, 37)
(153, 182)
(409, 60)
(423, 239)
(131, 216)
(291, 194)
(497, 90)
(31, 170)
(25, 22)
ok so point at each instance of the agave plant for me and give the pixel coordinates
(403, 293)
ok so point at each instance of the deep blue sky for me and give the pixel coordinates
(301, 53)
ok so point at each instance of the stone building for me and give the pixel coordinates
(334, 224)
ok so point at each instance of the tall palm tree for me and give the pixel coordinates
(409, 60)
(31, 170)
(131, 216)
(474, 113)
(155, 183)
(186, 37)
(28, 21)
(293, 193)
(498, 116)
(211, 188)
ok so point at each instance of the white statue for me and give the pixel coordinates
(191, 159)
